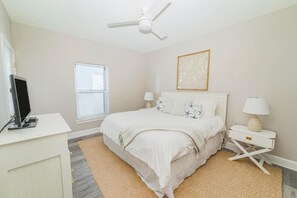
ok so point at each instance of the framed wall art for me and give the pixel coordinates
(193, 71)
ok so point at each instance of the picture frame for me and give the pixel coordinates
(193, 71)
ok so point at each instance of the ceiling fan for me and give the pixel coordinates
(148, 16)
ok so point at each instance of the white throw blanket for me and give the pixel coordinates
(155, 147)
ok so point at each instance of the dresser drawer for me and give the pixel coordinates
(252, 139)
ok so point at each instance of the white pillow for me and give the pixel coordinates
(168, 104)
(178, 107)
(208, 107)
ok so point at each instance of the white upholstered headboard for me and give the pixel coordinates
(221, 99)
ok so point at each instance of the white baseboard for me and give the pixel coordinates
(272, 158)
(290, 164)
(78, 134)
(231, 146)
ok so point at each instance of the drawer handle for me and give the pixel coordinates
(248, 138)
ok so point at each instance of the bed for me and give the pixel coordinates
(164, 149)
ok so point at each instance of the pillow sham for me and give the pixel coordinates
(208, 107)
(168, 106)
(178, 107)
(193, 111)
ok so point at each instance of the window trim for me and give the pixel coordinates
(84, 121)
(105, 91)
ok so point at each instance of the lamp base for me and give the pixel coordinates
(148, 104)
(254, 124)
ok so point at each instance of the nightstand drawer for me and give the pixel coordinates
(252, 139)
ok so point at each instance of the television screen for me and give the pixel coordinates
(20, 98)
(23, 98)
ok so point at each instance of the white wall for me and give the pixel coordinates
(5, 23)
(254, 58)
(47, 60)
(5, 29)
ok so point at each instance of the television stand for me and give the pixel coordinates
(28, 123)
(35, 162)
(32, 122)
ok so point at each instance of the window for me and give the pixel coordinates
(9, 69)
(91, 82)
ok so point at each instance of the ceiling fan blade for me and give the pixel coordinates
(158, 7)
(122, 24)
(158, 36)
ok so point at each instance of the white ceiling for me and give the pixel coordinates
(183, 20)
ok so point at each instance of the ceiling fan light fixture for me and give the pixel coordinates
(147, 17)
(145, 25)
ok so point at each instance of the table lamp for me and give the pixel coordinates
(255, 106)
(148, 96)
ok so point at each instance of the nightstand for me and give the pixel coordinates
(257, 144)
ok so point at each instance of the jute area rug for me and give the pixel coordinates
(219, 177)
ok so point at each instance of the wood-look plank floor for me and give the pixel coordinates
(84, 185)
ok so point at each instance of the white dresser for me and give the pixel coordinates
(35, 162)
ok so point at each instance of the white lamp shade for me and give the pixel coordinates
(256, 106)
(148, 96)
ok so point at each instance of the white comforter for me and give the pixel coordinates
(159, 148)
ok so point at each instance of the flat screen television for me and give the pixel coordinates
(21, 103)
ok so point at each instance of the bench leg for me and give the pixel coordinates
(250, 155)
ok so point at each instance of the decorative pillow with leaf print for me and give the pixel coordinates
(193, 111)
(160, 105)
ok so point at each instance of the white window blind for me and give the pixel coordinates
(91, 91)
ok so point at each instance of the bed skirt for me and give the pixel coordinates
(180, 168)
